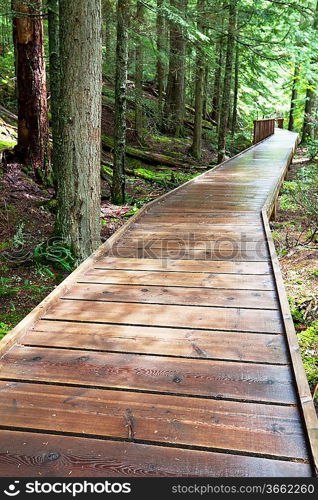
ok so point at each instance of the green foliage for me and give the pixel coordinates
(312, 146)
(308, 342)
(4, 329)
(297, 314)
(6, 287)
(56, 253)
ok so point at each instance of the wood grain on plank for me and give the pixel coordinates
(35, 455)
(227, 425)
(194, 235)
(222, 267)
(199, 280)
(174, 295)
(213, 318)
(212, 217)
(221, 379)
(165, 341)
(146, 252)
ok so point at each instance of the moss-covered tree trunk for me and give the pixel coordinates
(233, 117)
(310, 105)
(217, 84)
(54, 57)
(139, 69)
(293, 98)
(108, 20)
(161, 67)
(199, 86)
(78, 217)
(118, 185)
(227, 79)
(32, 144)
(205, 91)
(174, 109)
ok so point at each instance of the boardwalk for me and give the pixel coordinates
(171, 351)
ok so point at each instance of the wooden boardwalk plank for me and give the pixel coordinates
(232, 319)
(206, 254)
(226, 425)
(194, 266)
(32, 455)
(175, 295)
(217, 379)
(199, 280)
(166, 341)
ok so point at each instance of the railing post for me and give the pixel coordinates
(280, 122)
(263, 128)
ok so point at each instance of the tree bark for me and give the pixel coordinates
(32, 144)
(108, 19)
(205, 91)
(118, 186)
(161, 45)
(216, 97)
(78, 217)
(199, 86)
(227, 80)
(175, 97)
(293, 98)
(308, 128)
(140, 19)
(54, 56)
(236, 88)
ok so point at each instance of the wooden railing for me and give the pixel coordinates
(262, 129)
(280, 122)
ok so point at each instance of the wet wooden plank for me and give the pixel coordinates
(165, 341)
(163, 253)
(220, 266)
(200, 280)
(232, 319)
(216, 379)
(212, 217)
(225, 425)
(242, 246)
(174, 295)
(35, 455)
(193, 234)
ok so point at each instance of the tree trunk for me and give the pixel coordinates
(175, 98)
(32, 144)
(216, 97)
(54, 56)
(205, 91)
(308, 126)
(227, 80)
(118, 186)
(108, 19)
(293, 98)
(236, 88)
(140, 19)
(161, 45)
(199, 86)
(78, 217)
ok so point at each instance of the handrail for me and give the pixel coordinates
(263, 128)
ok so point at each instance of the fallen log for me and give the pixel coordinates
(146, 156)
(9, 116)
